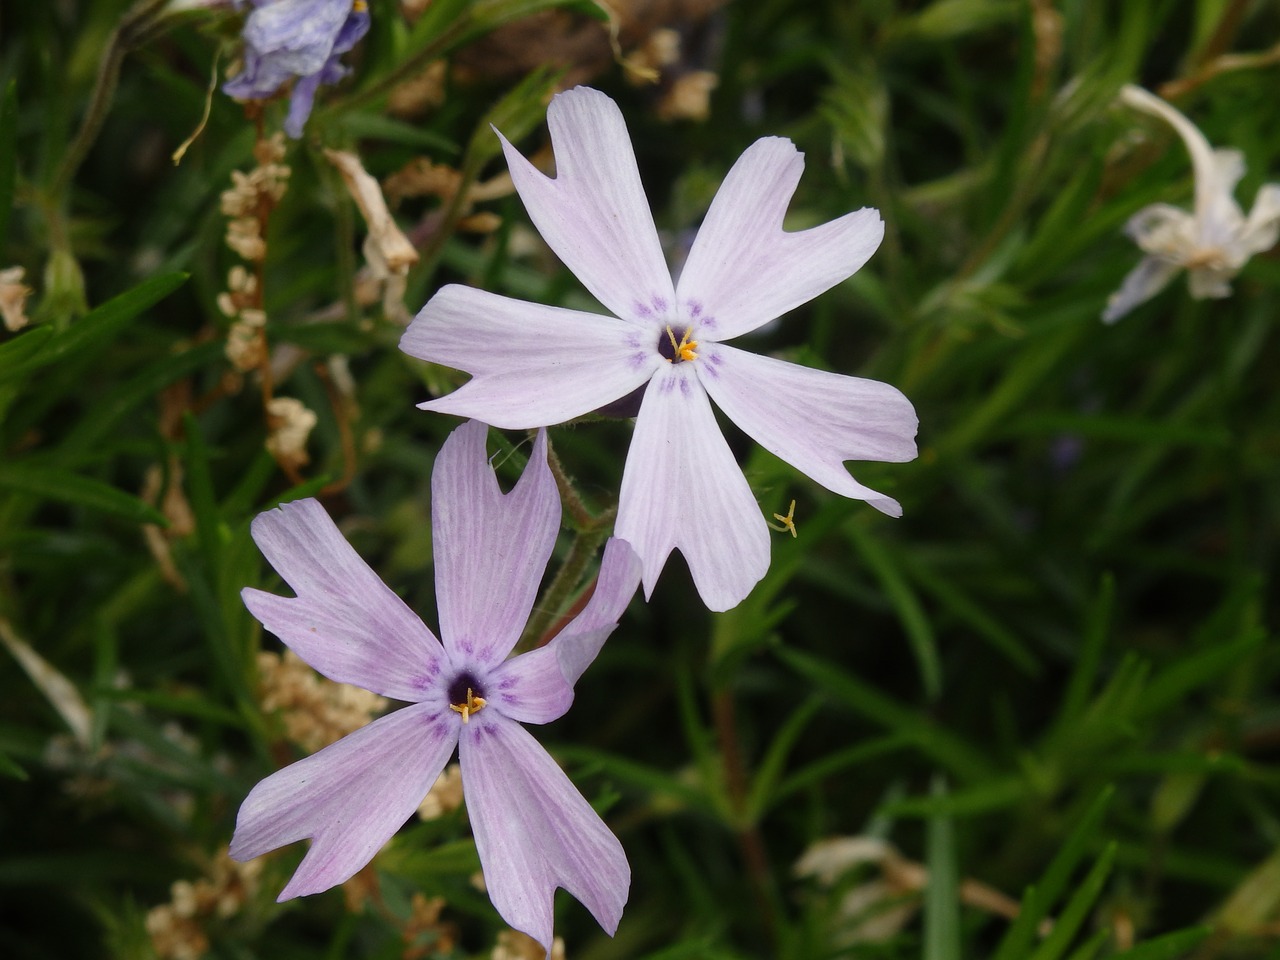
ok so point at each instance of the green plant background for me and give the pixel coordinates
(1055, 676)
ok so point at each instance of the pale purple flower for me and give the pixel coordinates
(535, 365)
(534, 831)
(286, 39)
(1214, 240)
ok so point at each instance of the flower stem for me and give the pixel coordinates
(750, 840)
(131, 29)
(590, 530)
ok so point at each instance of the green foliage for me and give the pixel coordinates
(1034, 719)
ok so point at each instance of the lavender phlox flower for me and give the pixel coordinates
(534, 365)
(302, 39)
(534, 831)
(1214, 240)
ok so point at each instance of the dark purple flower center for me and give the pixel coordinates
(465, 686)
(676, 344)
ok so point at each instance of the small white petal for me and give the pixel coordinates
(1219, 218)
(683, 490)
(1163, 230)
(531, 365)
(594, 214)
(1262, 229)
(1206, 283)
(744, 269)
(813, 419)
(1149, 277)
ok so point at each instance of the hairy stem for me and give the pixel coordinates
(750, 840)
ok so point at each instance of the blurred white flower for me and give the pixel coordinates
(1214, 241)
(13, 299)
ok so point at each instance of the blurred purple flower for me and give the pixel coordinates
(534, 831)
(534, 365)
(284, 39)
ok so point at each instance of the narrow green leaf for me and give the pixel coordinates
(1089, 949)
(1171, 685)
(1254, 900)
(638, 774)
(946, 749)
(10, 769)
(53, 483)
(910, 614)
(982, 798)
(776, 756)
(965, 609)
(176, 704)
(138, 389)
(1095, 637)
(1039, 898)
(22, 348)
(836, 762)
(373, 126)
(1077, 910)
(1129, 430)
(942, 895)
(8, 157)
(701, 742)
(1168, 947)
(203, 502)
(519, 112)
(101, 325)
(438, 17)
(700, 949)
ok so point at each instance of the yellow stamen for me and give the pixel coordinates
(472, 705)
(684, 350)
(787, 523)
(359, 6)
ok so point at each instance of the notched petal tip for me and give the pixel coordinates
(349, 799)
(535, 832)
(594, 213)
(491, 548)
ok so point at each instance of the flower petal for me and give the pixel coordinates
(531, 365)
(1216, 172)
(350, 798)
(298, 35)
(744, 269)
(259, 78)
(1210, 283)
(535, 832)
(491, 548)
(813, 419)
(1149, 277)
(300, 103)
(531, 688)
(594, 214)
(1262, 229)
(537, 687)
(682, 489)
(1163, 230)
(578, 644)
(345, 621)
